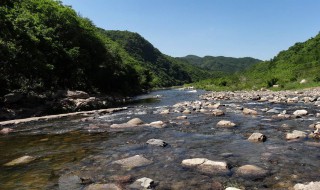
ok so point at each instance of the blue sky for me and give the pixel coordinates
(235, 28)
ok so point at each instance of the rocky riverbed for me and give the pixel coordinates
(177, 140)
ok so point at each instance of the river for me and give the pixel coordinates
(75, 146)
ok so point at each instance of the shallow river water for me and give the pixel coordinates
(70, 146)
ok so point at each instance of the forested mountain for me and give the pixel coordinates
(164, 70)
(286, 70)
(221, 63)
(46, 46)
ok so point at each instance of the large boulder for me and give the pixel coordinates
(225, 123)
(251, 172)
(20, 161)
(134, 161)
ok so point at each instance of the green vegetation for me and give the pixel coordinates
(45, 46)
(286, 70)
(221, 64)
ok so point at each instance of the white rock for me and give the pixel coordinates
(232, 188)
(257, 137)
(300, 112)
(193, 161)
(247, 111)
(157, 142)
(225, 123)
(296, 134)
(309, 186)
(135, 121)
(20, 161)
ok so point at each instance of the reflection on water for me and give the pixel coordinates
(76, 146)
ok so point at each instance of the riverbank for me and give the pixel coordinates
(19, 105)
(181, 140)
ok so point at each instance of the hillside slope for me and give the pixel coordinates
(164, 70)
(286, 70)
(221, 63)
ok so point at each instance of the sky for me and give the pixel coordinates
(234, 28)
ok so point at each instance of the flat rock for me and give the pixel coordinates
(257, 137)
(134, 161)
(20, 161)
(251, 172)
(247, 111)
(157, 142)
(108, 186)
(300, 113)
(135, 121)
(182, 117)
(309, 186)
(296, 135)
(122, 126)
(275, 111)
(225, 123)
(157, 124)
(207, 166)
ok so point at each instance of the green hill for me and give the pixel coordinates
(165, 70)
(287, 70)
(221, 63)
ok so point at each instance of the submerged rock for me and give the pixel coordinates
(157, 142)
(225, 123)
(309, 186)
(296, 135)
(134, 161)
(251, 172)
(247, 111)
(70, 182)
(182, 117)
(257, 137)
(217, 112)
(20, 161)
(108, 186)
(6, 131)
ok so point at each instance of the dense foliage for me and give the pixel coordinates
(45, 46)
(286, 71)
(220, 63)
